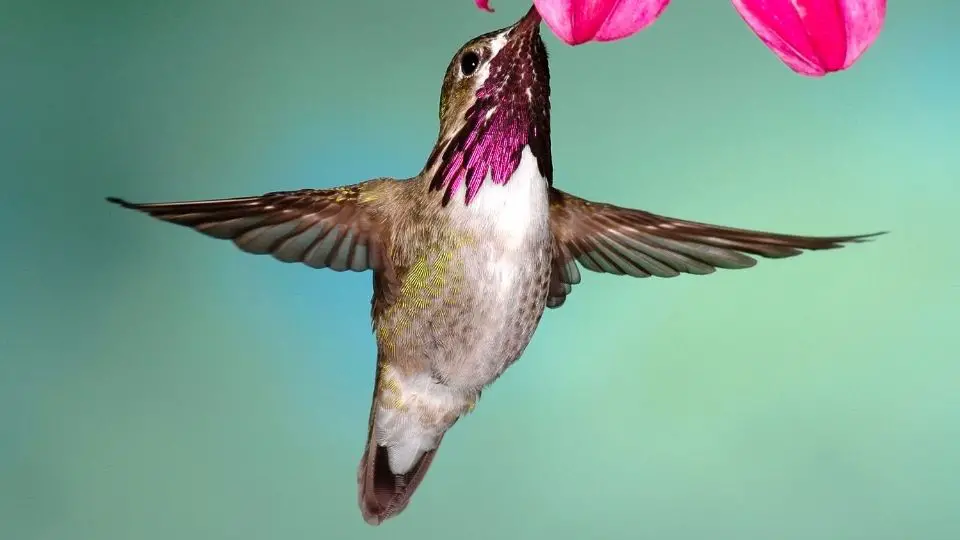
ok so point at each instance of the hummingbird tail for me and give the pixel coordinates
(383, 494)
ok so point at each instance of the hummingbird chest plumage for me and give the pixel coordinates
(473, 283)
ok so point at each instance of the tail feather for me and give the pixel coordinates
(383, 494)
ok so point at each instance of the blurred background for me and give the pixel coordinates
(157, 384)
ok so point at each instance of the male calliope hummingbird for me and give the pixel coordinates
(468, 254)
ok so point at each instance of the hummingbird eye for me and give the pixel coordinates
(469, 63)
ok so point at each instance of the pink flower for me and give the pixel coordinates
(815, 37)
(579, 21)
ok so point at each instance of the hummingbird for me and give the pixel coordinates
(467, 255)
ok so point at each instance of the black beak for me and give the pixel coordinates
(529, 25)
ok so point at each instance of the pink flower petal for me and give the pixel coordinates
(484, 5)
(630, 18)
(579, 21)
(815, 37)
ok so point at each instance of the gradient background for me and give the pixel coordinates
(157, 384)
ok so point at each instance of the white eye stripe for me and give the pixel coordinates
(496, 45)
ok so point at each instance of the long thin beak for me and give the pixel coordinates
(529, 24)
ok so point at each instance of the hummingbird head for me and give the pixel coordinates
(494, 103)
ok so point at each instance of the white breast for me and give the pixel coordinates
(511, 212)
(511, 226)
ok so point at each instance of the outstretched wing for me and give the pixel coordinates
(337, 228)
(606, 238)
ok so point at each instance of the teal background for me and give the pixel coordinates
(157, 384)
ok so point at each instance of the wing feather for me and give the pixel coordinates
(622, 241)
(340, 229)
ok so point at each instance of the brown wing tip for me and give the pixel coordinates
(818, 243)
(122, 202)
(860, 238)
